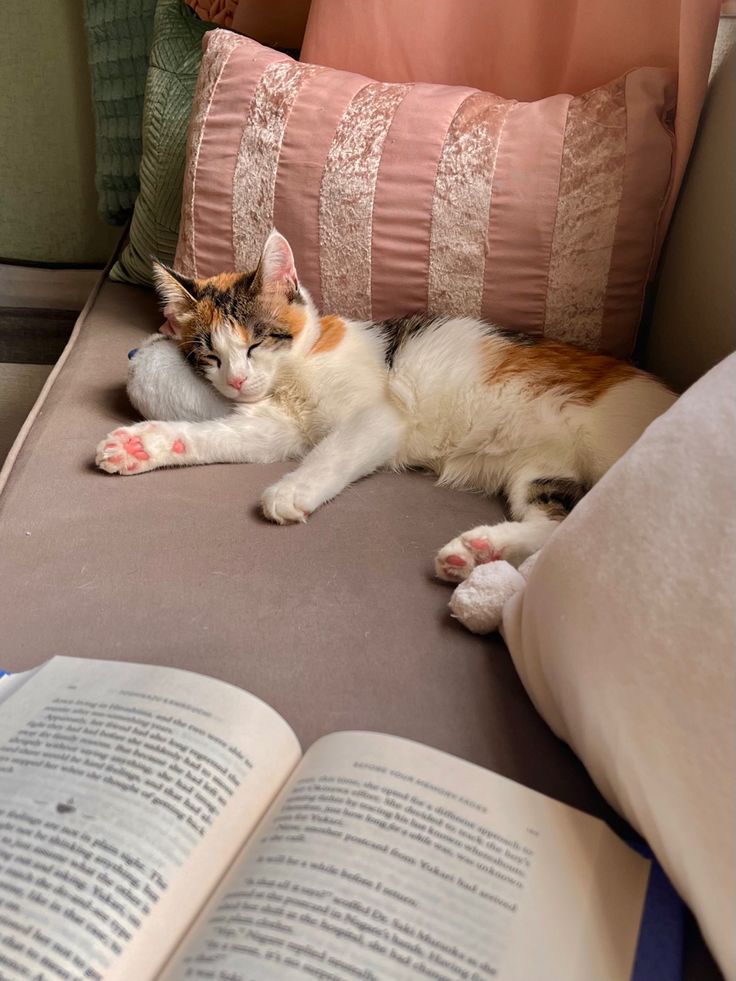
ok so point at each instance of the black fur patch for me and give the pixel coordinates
(396, 331)
(556, 495)
(235, 302)
(243, 300)
(515, 336)
(193, 357)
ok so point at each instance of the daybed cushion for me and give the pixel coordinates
(337, 623)
(625, 637)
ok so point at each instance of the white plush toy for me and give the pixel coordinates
(161, 385)
(478, 602)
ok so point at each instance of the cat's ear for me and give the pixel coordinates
(178, 294)
(276, 273)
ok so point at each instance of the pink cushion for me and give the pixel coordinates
(540, 216)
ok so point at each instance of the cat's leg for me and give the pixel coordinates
(538, 504)
(512, 541)
(367, 440)
(252, 436)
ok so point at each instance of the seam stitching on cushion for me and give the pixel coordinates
(622, 189)
(659, 234)
(195, 162)
(320, 196)
(554, 221)
(384, 86)
(301, 73)
(306, 77)
(434, 193)
(513, 106)
(408, 87)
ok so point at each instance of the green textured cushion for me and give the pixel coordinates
(176, 54)
(118, 41)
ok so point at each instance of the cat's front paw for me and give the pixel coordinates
(458, 558)
(136, 449)
(288, 501)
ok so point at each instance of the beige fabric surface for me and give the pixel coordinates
(48, 209)
(338, 623)
(625, 638)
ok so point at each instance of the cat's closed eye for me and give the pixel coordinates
(253, 347)
(214, 359)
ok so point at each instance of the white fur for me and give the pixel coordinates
(161, 385)
(346, 415)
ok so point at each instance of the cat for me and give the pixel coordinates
(536, 421)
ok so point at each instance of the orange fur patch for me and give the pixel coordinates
(206, 310)
(293, 317)
(222, 282)
(332, 331)
(549, 364)
(209, 315)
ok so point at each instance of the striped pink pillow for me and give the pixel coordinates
(538, 216)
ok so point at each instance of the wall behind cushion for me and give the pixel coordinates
(47, 199)
(694, 318)
(527, 49)
(396, 198)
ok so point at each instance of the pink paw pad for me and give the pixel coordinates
(488, 553)
(457, 560)
(178, 447)
(134, 447)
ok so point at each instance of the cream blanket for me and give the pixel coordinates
(625, 640)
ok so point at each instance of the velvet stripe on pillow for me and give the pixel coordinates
(403, 197)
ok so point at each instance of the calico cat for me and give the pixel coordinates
(537, 421)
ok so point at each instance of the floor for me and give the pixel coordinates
(19, 388)
(38, 308)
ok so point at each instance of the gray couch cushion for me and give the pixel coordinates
(337, 623)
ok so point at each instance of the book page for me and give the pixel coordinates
(385, 859)
(125, 793)
(10, 683)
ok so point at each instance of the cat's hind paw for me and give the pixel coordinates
(458, 558)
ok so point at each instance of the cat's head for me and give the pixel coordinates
(236, 328)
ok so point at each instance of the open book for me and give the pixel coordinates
(156, 824)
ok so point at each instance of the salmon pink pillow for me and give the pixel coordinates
(539, 216)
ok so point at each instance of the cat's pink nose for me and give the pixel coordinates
(236, 383)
